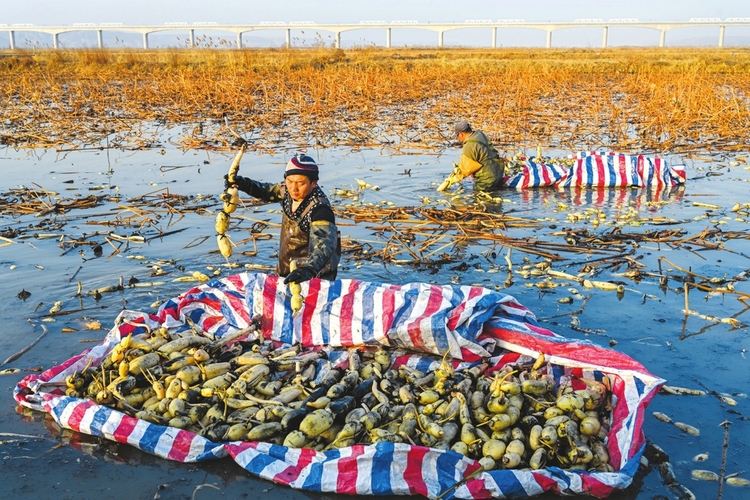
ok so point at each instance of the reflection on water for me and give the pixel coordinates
(613, 198)
(646, 322)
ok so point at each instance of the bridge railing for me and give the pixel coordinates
(548, 27)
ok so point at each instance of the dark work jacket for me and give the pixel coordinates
(308, 234)
(478, 148)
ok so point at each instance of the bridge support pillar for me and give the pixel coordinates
(192, 39)
(145, 40)
(338, 39)
(604, 37)
(12, 39)
(494, 38)
(721, 36)
(288, 38)
(239, 40)
(549, 39)
(54, 41)
(99, 39)
(388, 38)
(440, 39)
(662, 38)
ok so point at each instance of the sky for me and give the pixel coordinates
(158, 12)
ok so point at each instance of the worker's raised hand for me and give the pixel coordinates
(299, 275)
(237, 180)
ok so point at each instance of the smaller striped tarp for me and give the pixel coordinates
(420, 322)
(599, 169)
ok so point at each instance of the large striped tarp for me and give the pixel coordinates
(419, 322)
(601, 169)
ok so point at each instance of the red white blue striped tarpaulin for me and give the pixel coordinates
(598, 169)
(418, 321)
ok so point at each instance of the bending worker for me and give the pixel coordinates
(308, 229)
(478, 158)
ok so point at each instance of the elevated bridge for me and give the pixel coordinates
(337, 29)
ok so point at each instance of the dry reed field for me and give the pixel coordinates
(647, 100)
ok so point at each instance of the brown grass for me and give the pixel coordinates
(676, 100)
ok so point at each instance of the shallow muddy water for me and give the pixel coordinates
(646, 321)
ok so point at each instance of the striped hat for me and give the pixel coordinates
(302, 165)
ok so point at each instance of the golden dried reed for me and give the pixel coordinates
(628, 99)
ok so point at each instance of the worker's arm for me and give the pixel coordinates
(323, 238)
(467, 166)
(265, 191)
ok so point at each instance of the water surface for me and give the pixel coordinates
(645, 322)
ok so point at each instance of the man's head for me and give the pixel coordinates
(462, 129)
(300, 176)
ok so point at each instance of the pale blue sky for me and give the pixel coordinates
(336, 11)
(157, 12)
